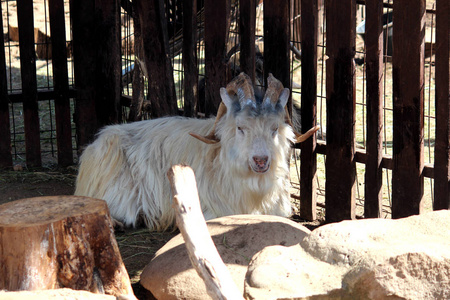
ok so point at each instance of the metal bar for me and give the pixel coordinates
(247, 23)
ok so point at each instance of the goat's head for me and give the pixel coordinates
(259, 122)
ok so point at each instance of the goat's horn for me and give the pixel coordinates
(241, 86)
(273, 91)
(211, 137)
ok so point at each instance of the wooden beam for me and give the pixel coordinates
(5, 134)
(308, 156)
(84, 56)
(161, 86)
(374, 64)
(247, 24)
(408, 118)
(340, 166)
(29, 82)
(217, 23)
(442, 146)
(61, 82)
(190, 57)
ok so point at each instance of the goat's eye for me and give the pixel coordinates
(240, 129)
(274, 131)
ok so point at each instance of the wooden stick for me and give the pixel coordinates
(201, 249)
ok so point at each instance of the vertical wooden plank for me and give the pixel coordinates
(161, 87)
(84, 56)
(374, 70)
(137, 101)
(340, 166)
(190, 57)
(308, 156)
(108, 61)
(217, 23)
(247, 23)
(5, 134)
(408, 68)
(442, 146)
(276, 42)
(61, 82)
(29, 83)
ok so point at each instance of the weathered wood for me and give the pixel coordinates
(161, 87)
(190, 57)
(29, 82)
(442, 146)
(84, 56)
(340, 166)
(5, 135)
(60, 241)
(137, 99)
(201, 249)
(247, 23)
(61, 82)
(408, 118)
(308, 156)
(217, 23)
(276, 43)
(108, 62)
(374, 70)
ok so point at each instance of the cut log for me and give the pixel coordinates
(201, 249)
(60, 242)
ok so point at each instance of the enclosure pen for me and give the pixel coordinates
(380, 95)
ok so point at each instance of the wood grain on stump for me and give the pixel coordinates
(60, 241)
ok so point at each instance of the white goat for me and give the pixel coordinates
(242, 168)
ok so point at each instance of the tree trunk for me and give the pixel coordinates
(60, 241)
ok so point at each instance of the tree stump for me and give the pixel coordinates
(60, 242)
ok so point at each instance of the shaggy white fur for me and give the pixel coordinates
(127, 165)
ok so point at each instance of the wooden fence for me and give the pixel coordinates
(97, 53)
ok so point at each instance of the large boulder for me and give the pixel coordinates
(367, 259)
(238, 238)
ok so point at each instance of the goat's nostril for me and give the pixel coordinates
(260, 160)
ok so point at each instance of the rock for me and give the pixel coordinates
(56, 294)
(366, 259)
(170, 275)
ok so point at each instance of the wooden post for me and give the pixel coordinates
(308, 156)
(84, 56)
(217, 23)
(247, 24)
(5, 134)
(201, 250)
(61, 82)
(276, 43)
(60, 241)
(408, 83)
(442, 147)
(29, 82)
(374, 64)
(161, 87)
(108, 62)
(190, 57)
(340, 166)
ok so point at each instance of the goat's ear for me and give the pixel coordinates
(226, 98)
(284, 97)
